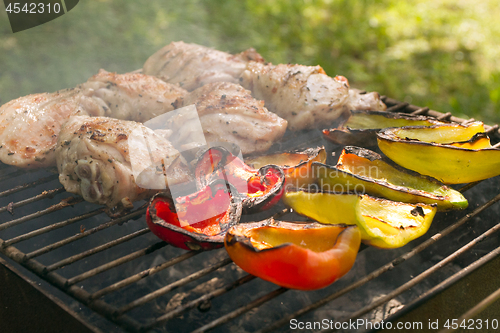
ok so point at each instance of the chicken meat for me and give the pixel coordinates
(132, 96)
(116, 162)
(360, 100)
(193, 65)
(303, 95)
(30, 125)
(227, 113)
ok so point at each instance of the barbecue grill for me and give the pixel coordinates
(114, 275)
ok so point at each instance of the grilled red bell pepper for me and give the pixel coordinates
(294, 255)
(196, 221)
(258, 189)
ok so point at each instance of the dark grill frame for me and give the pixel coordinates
(119, 314)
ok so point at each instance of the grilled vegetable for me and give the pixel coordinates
(443, 152)
(292, 255)
(197, 221)
(361, 127)
(383, 223)
(258, 189)
(364, 171)
(295, 165)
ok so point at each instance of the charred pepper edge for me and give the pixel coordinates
(373, 156)
(397, 203)
(391, 137)
(310, 152)
(249, 204)
(245, 241)
(347, 131)
(226, 154)
(255, 203)
(234, 210)
(418, 193)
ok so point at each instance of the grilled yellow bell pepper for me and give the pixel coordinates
(361, 127)
(364, 171)
(383, 223)
(434, 151)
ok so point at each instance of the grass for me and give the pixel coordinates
(441, 53)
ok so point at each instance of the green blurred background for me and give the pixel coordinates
(444, 54)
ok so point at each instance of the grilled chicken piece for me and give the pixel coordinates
(132, 96)
(30, 125)
(111, 162)
(193, 65)
(227, 113)
(358, 100)
(304, 95)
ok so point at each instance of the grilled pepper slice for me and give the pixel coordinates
(383, 223)
(361, 126)
(294, 255)
(295, 165)
(196, 221)
(442, 152)
(478, 141)
(257, 189)
(364, 171)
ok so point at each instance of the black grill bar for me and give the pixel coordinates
(495, 296)
(397, 105)
(148, 272)
(95, 250)
(17, 173)
(51, 227)
(384, 268)
(63, 204)
(468, 186)
(28, 185)
(445, 116)
(421, 111)
(68, 240)
(205, 298)
(446, 283)
(419, 278)
(224, 319)
(43, 195)
(114, 263)
(149, 297)
(78, 293)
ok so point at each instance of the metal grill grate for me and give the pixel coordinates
(117, 268)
